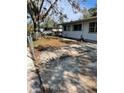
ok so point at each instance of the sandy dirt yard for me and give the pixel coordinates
(68, 69)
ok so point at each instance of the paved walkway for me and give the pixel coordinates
(32, 78)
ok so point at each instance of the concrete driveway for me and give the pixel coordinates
(69, 69)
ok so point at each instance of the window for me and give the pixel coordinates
(93, 27)
(66, 28)
(77, 27)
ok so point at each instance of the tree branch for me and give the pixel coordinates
(28, 8)
(44, 16)
(41, 6)
(35, 9)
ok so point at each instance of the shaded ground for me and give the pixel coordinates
(69, 69)
(65, 67)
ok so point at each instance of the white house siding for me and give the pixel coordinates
(86, 34)
(72, 34)
(83, 33)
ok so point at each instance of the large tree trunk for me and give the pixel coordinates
(38, 24)
(36, 34)
(35, 30)
(35, 26)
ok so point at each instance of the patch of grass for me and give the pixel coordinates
(51, 42)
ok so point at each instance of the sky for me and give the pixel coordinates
(68, 10)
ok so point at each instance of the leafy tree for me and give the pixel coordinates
(86, 13)
(89, 12)
(49, 23)
(93, 11)
(38, 10)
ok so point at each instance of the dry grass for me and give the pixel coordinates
(52, 42)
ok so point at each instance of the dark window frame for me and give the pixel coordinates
(93, 27)
(77, 27)
(67, 28)
(64, 28)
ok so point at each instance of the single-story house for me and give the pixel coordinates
(81, 29)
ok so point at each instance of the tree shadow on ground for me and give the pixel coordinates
(69, 74)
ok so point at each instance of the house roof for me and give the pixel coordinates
(81, 20)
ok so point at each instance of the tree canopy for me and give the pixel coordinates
(38, 10)
(93, 11)
(49, 23)
(89, 12)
